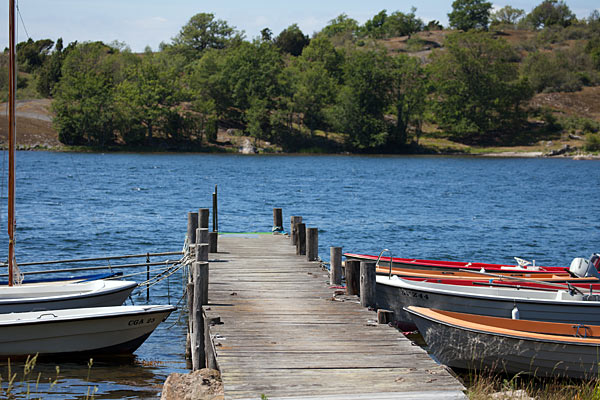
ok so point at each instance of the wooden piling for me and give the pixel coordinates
(213, 238)
(202, 252)
(202, 235)
(352, 277)
(277, 220)
(301, 239)
(215, 214)
(197, 331)
(293, 228)
(191, 227)
(367, 284)
(203, 215)
(312, 244)
(335, 265)
(190, 304)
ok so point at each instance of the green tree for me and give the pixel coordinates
(551, 12)
(84, 98)
(375, 27)
(291, 40)
(203, 32)
(50, 73)
(507, 16)
(314, 92)
(149, 96)
(470, 14)
(31, 55)
(322, 50)
(478, 92)
(340, 25)
(400, 24)
(408, 93)
(361, 102)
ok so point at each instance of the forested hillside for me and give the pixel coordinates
(395, 84)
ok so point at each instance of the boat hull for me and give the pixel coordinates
(100, 330)
(57, 296)
(395, 294)
(460, 347)
(440, 265)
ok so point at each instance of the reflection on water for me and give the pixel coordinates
(455, 208)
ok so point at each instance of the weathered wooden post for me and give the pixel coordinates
(301, 239)
(215, 217)
(213, 238)
(203, 215)
(335, 265)
(199, 271)
(190, 304)
(352, 277)
(191, 227)
(277, 220)
(294, 220)
(384, 316)
(202, 252)
(202, 235)
(367, 284)
(312, 244)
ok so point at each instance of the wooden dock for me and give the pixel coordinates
(284, 333)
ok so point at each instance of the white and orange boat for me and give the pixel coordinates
(543, 349)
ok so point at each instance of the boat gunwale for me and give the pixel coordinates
(143, 310)
(52, 299)
(384, 280)
(479, 328)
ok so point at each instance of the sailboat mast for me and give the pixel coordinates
(12, 78)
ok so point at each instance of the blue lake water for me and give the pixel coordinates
(456, 208)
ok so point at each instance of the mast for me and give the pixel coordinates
(12, 78)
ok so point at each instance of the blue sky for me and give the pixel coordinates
(139, 23)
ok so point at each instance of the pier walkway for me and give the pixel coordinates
(284, 333)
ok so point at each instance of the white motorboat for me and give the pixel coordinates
(490, 344)
(57, 295)
(508, 302)
(82, 331)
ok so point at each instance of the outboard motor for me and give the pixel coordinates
(595, 261)
(585, 268)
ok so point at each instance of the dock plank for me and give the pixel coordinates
(286, 334)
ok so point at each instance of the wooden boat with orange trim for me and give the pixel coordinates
(543, 349)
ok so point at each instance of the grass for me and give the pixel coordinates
(481, 386)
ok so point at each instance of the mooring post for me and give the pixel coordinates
(213, 238)
(203, 215)
(215, 218)
(367, 284)
(191, 228)
(352, 277)
(202, 267)
(277, 220)
(335, 265)
(197, 332)
(301, 239)
(202, 235)
(202, 252)
(190, 304)
(312, 244)
(293, 228)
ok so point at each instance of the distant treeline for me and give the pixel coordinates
(475, 87)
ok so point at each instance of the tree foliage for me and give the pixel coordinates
(203, 32)
(506, 16)
(549, 13)
(477, 87)
(291, 40)
(470, 14)
(84, 98)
